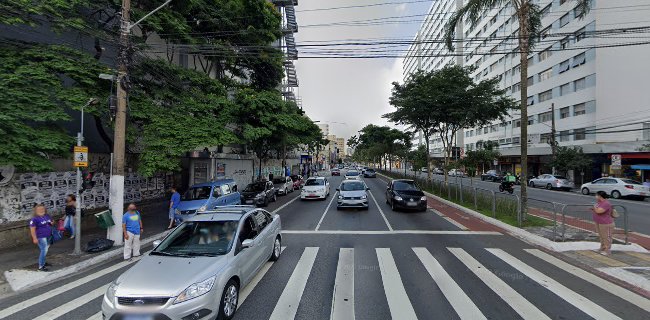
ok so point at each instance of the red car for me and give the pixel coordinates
(336, 172)
(297, 181)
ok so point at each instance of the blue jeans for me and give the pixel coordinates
(69, 224)
(43, 245)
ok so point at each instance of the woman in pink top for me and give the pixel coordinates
(602, 214)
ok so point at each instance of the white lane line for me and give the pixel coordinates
(452, 221)
(398, 301)
(374, 232)
(381, 211)
(287, 305)
(251, 285)
(286, 204)
(614, 289)
(326, 209)
(518, 303)
(462, 304)
(96, 316)
(343, 297)
(580, 302)
(73, 304)
(58, 290)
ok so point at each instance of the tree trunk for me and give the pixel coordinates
(428, 159)
(524, 48)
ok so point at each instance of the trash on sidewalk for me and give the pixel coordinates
(98, 245)
(104, 219)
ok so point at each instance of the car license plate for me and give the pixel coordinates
(411, 203)
(312, 194)
(249, 201)
(138, 317)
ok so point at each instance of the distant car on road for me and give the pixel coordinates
(550, 182)
(352, 194)
(198, 270)
(259, 193)
(456, 173)
(336, 172)
(424, 169)
(315, 188)
(206, 196)
(492, 175)
(617, 188)
(352, 174)
(297, 181)
(438, 171)
(370, 173)
(405, 194)
(283, 185)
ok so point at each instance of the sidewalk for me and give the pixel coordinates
(24, 257)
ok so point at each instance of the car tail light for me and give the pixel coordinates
(629, 186)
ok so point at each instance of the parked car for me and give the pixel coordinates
(424, 169)
(259, 193)
(206, 196)
(438, 171)
(550, 181)
(336, 172)
(283, 185)
(352, 194)
(617, 188)
(204, 263)
(405, 194)
(297, 181)
(492, 175)
(352, 174)
(315, 188)
(370, 173)
(456, 173)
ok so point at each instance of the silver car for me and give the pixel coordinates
(550, 181)
(352, 194)
(198, 270)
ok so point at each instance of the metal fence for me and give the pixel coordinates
(565, 221)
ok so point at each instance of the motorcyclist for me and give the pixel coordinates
(508, 181)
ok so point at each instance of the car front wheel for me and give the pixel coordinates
(585, 191)
(549, 187)
(277, 249)
(531, 184)
(229, 300)
(616, 194)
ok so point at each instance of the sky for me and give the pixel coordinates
(350, 93)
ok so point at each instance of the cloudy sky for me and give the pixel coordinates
(350, 93)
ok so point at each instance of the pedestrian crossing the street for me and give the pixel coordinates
(473, 283)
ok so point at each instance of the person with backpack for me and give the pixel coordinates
(40, 228)
(131, 228)
(70, 212)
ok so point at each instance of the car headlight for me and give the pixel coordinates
(424, 198)
(398, 198)
(340, 197)
(203, 208)
(196, 290)
(364, 197)
(110, 292)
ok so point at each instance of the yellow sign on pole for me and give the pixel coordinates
(80, 156)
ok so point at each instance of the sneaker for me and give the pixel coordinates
(605, 253)
(43, 268)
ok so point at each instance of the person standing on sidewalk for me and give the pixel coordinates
(173, 205)
(70, 212)
(132, 228)
(40, 227)
(602, 215)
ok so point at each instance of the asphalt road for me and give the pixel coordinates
(638, 211)
(380, 264)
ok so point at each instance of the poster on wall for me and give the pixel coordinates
(221, 171)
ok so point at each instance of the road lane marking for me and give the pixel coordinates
(73, 304)
(287, 305)
(253, 283)
(374, 232)
(381, 211)
(518, 303)
(96, 316)
(286, 204)
(326, 209)
(462, 304)
(343, 296)
(568, 295)
(58, 290)
(452, 221)
(398, 301)
(614, 289)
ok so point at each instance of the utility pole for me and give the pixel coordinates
(553, 141)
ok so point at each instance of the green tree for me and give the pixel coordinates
(419, 157)
(571, 158)
(528, 15)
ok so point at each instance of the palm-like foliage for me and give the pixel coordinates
(529, 18)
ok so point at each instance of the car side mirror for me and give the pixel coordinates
(367, 189)
(247, 243)
(337, 189)
(387, 187)
(156, 243)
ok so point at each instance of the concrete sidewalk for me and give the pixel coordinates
(25, 257)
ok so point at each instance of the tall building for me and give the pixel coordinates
(340, 144)
(589, 70)
(324, 129)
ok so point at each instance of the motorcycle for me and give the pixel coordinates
(506, 186)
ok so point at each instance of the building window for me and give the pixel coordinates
(545, 54)
(516, 140)
(494, 128)
(485, 130)
(544, 12)
(579, 134)
(565, 89)
(530, 81)
(579, 109)
(516, 124)
(516, 87)
(546, 95)
(564, 43)
(578, 12)
(563, 1)
(531, 120)
(546, 116)
(565, 66)
(579, 60)
(580, 34)
(564, 136)
(546, 74)
(545, 138)
(531, 100)
(579, 84)
(545, 32)
(565, 19)
(565, 113)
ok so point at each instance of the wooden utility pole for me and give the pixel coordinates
(553, 141)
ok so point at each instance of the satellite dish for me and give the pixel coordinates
(6, 174)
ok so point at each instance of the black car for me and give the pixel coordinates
(259, 193)
(492, 175)
(370, 173)
(405, 194)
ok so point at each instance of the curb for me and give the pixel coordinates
(19, 279)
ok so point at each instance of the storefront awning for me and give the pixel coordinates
(641, 166)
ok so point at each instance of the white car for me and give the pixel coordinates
(617, 188)
(315, 188)
(455, 173)
(352, 175)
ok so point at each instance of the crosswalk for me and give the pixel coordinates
(520, 280)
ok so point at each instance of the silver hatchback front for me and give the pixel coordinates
(352, 194)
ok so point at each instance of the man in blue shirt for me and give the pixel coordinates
(132, 228)
(173, 205)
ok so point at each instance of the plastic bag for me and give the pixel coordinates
(98, 245)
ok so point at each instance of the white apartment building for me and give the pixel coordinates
(592, 75)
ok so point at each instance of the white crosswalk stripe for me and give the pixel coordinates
(73, 304)
(96, 316)
(462, 304)
(518, 303)
(398, 301)
(582, 303)
(287, 305)
(343, 297)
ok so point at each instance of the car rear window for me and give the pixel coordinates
(630, 181)
(315, 182)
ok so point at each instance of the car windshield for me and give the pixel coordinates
(560, 177)
(315, 182)
(630, 181)
(197, 193)
(255, 187)
(279, 180)
(199, 238)
(352, 173)
(352, 186)
(370, 170)
(405, 186)
(295, 178)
